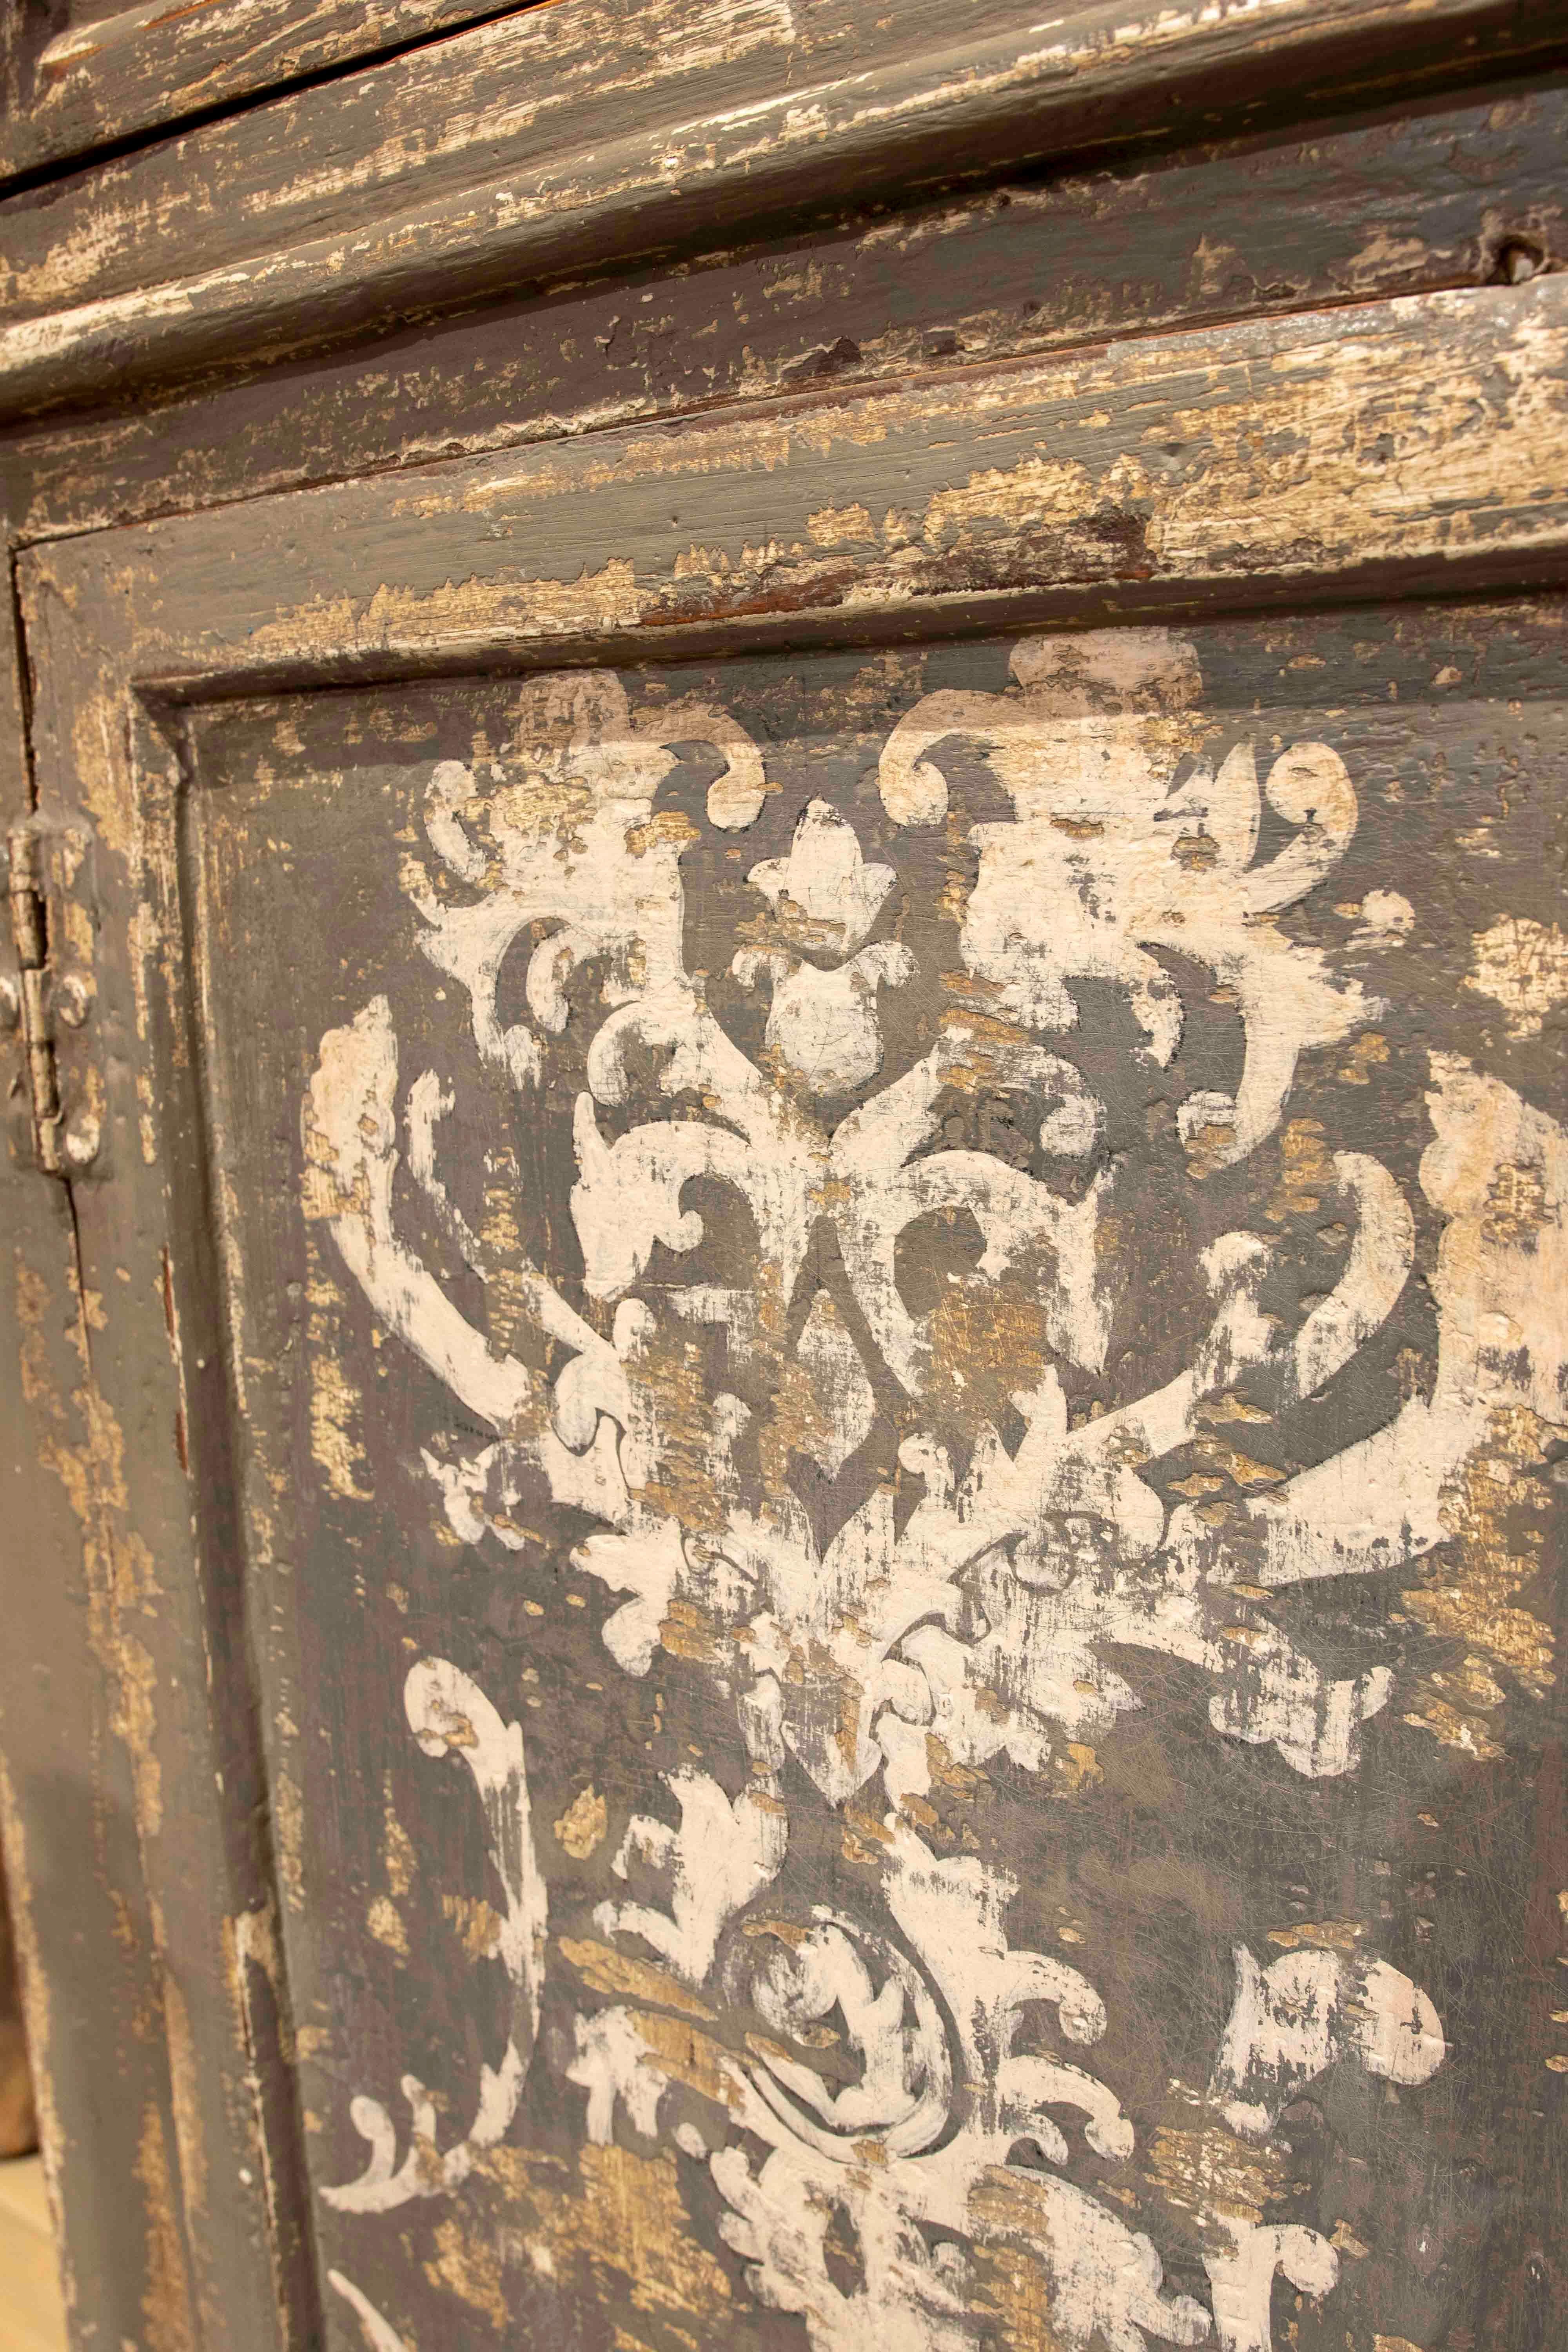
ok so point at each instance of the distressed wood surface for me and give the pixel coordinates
(143, 1737)
(1387, 446)
(129, 70)
(1450, 195)
(910, 437)
(511, 153)
(1378, 446)
(1325, 1778)
(104, 2029)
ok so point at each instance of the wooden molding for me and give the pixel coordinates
(151, 65)
(527, 150)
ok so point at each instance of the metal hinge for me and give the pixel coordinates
(47, 994)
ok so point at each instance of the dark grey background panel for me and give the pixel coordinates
(1348, 1774)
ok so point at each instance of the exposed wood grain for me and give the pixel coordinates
(151, 65)
(1387, 445)
(1444, 196)
(520, 158)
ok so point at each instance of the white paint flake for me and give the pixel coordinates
(1293, 2020)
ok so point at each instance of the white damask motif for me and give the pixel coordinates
(1088, 754)
(926, 2204)
(823, 1021)
(982, 1617)
(378, 2336)
(1294, 2018)
(450, 1715)
(720, 1856)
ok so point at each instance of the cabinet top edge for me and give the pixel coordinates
(199, 255)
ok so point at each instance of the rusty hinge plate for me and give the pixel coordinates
(48, 993)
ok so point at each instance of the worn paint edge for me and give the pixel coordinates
(1017, 100)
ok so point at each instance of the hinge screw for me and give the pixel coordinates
(73, 999)
(82, 1137)
(1519, 259)
(10, 1002)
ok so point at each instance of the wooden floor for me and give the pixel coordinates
(32, 2318)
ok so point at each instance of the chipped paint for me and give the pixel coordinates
(1521, 965)
(582, 1828)
(534, 140)
(166, 2295)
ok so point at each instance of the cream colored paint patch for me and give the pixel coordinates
(1521, 965)
(981, 1621)
(1295, 2019)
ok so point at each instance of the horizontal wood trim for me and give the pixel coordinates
(1440, 198)
(535, 147)
(152, 65)
(538, 91)
(1380, 448)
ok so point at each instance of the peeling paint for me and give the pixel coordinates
(1521, 965)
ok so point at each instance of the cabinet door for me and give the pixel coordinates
(824, 1214)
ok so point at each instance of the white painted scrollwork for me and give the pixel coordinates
(972, 1604)
(450, 1715)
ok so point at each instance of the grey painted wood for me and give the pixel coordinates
(342, 209)
(1158, 1846)
(1392, 444)
(1447, 196)
(1370, 450)
(211, 2248)
(866, 445)
(95, 1985)
(134, 70)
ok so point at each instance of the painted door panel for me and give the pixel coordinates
(891, 1324)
